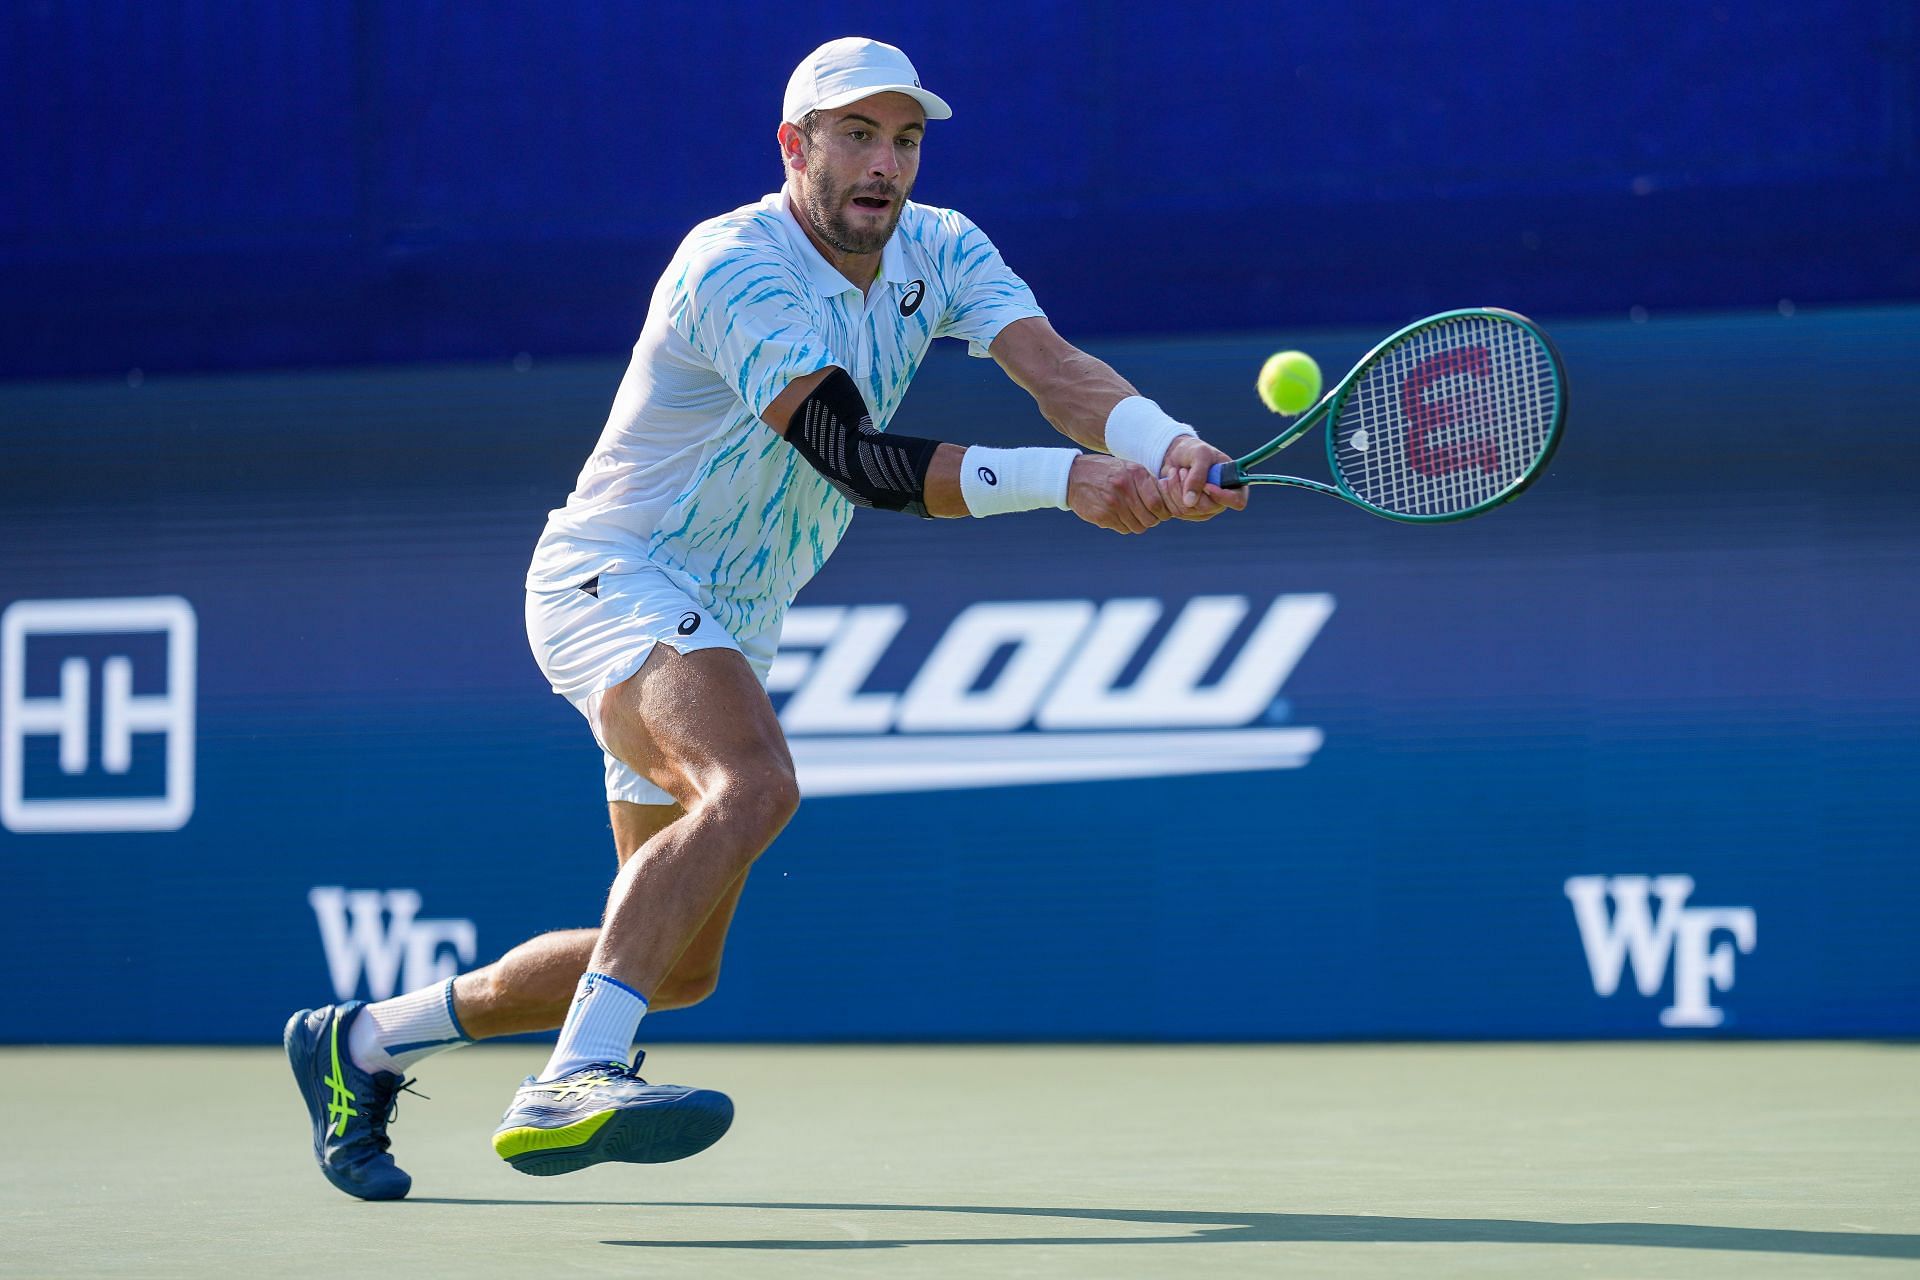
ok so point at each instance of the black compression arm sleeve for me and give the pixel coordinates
(834, 432)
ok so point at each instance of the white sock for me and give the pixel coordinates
(600, 1025)
(392, 1035)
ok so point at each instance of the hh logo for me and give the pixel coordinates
(1650, 940)
(96, 714)
(379, 934)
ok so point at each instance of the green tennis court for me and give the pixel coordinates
(1373, 1160)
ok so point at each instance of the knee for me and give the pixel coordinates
(760, 799)
(680, 990)
(781, 798)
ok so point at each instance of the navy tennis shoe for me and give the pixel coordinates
(350, 1108)
(607, 1112)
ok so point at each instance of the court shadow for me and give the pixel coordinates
(1243, 1228)
(525, 1203)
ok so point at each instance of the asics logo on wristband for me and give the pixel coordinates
(986, 475)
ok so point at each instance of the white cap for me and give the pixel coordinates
(852, 68)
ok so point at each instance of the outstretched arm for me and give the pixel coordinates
(1079, 394)
(1075, 391)
(820, 413)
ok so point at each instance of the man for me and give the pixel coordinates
(779, 340)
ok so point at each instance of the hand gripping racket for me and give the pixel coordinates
(1449, 417)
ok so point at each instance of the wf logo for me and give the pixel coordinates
(379, 935)
(1649, 940)
(82, 684)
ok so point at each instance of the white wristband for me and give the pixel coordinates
(996, 481)
(1140, 431)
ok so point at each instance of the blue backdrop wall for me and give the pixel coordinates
(1632, 756)
(200, 186)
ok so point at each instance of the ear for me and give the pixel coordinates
(793, 146)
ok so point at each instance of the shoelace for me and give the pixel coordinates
(604, 1074)
(610, 1071)
(390, 1105)
(575, 1083)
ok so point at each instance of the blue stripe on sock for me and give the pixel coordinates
(601, 977)
(454, 1018)
(395, 1049)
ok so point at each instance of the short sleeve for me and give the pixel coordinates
(746, 314)
(985, 296)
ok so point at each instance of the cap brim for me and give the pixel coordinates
(932, 103)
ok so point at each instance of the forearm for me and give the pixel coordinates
(830, 428)
(977, 480)
(944, 500)
(1079, 394)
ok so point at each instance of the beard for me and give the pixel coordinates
(826, 210)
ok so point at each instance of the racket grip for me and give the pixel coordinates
(1226, 475)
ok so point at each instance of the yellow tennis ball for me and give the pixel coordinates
(1289, 382)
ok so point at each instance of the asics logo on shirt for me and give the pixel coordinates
(910, 303)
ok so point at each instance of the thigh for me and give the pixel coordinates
(591, 637)
(694, 723)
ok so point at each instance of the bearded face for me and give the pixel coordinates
(857, 168)
(857, 217)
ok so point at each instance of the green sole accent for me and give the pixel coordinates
(509, 1143)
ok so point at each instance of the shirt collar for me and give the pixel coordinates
(822, 274)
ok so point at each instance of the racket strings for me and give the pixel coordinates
(1448, 418)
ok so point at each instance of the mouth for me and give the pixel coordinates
(872, 204)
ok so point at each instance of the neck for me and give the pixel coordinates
(860, 269)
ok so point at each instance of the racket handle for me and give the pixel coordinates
(1226, 475)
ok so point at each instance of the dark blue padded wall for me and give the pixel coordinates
(221, 186)
(1655, 722)
(1633, 756)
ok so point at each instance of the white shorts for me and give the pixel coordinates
(586, 643)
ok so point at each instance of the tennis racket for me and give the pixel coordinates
(1446, 419)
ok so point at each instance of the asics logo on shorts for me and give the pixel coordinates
(689, 623)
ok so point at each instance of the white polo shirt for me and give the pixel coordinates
(686, 477)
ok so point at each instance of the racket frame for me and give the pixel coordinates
(1233, 475)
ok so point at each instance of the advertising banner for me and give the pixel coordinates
(1630, 757)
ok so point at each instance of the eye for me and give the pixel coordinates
(910, 143)
(858, 135)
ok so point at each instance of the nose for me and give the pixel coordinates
(884, 164)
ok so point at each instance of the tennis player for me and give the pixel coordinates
(749, 426)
